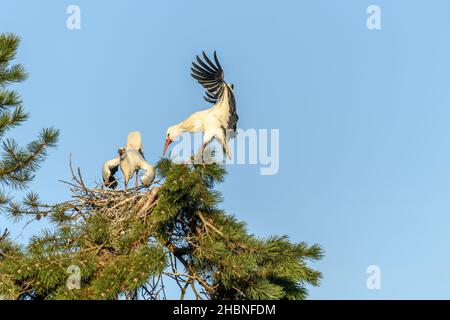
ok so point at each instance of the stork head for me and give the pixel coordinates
(172, 133)
(121, 152)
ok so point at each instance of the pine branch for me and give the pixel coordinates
(18, 164)
(8, 47)
(9, 99)
(14, 74)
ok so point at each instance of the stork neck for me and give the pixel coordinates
(188, 125)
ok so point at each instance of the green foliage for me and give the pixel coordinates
(17, 164)
(183, 236)
(236, 265)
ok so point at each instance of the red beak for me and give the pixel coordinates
(168, 141)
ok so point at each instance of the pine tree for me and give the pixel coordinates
(129, 243)
(17, 164)
(107, 244)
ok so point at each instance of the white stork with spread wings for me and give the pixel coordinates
(130, 160)
(221, 119)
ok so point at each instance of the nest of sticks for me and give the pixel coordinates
(118, 206)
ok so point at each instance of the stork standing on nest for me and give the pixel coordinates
(130, 160)
(221, 119)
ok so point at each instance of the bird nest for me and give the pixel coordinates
(118, 206)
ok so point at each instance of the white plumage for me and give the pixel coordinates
(130, 160)
(109, 170)
(221, 119)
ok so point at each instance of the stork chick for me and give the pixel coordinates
(130, 160)
(219, 121)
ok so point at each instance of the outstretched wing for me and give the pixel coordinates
(109, 169)
(210, 76)
(149, 172)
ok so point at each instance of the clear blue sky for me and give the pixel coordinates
(363, 117)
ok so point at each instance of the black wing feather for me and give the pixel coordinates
(197, 77)
(198, 73)
(204, 65)
(112, 182)
(209, 61)
(217, 61)
(209, 95)
(203, 71)
(213, 101)
(233, 117)
(210, 76)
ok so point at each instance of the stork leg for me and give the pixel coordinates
(225, 147)
(226, 150)
(137, 182)
(203, 149)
